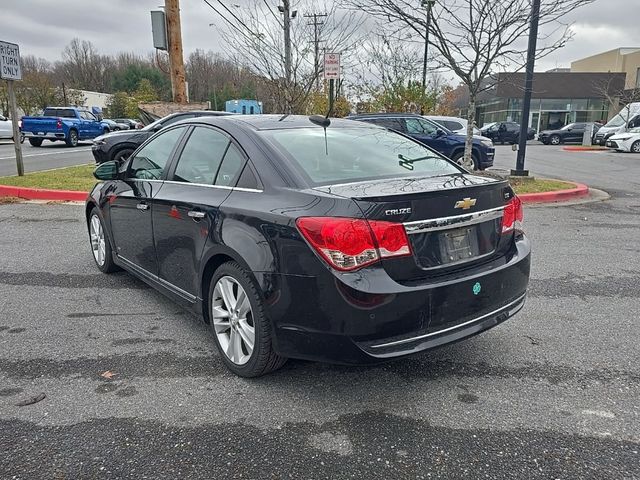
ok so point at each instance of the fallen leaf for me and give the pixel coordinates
(32, 400)
(108, 374)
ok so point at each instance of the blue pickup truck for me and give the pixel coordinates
(66, 124)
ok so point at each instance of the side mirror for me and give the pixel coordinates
(106, 171)
(157, 128)
(439, 133)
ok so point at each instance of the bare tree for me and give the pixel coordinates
(84, 68)
(475, 38)
(613, 91)
(255, 33)
(389, 75)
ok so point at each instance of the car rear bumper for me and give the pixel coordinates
(340, 324)
(45, 135)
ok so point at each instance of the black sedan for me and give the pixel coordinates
(572, 133)
(298, 237)
(119, 145)
(506, 132)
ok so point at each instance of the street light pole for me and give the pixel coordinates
(428, 4)
(528, 89)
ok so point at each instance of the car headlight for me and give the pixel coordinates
(487, 143)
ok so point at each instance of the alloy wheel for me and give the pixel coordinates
(232, 319)
(98, 243)
(635, 148)
(555, 140)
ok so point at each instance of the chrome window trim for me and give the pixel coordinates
(511, 308)
(223, 187)
(444, 223)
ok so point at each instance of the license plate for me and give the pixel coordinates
(458, 245)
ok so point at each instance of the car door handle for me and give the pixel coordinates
(142, 206)
(196, 214)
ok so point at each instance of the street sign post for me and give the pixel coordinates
(331, 73)
(11, 70)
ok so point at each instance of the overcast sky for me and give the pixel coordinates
(43, 27)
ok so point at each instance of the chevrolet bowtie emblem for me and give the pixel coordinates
(465, 203)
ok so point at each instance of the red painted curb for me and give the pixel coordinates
(581, 190)
(586, 149)
(42, 194)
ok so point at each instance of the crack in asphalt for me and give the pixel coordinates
(370, 444)
(69, 280)
(170, 365)
(580, 286)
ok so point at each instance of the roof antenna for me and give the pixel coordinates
(323, 122)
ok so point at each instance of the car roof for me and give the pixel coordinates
(273, 122)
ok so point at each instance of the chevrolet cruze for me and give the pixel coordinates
(304, 237)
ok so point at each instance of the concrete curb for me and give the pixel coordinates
(42, 194)
(580, 190)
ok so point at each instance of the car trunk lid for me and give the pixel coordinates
(451, 221)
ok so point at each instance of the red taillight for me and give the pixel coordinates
(513, 215)
(59, 124)
(350, 243)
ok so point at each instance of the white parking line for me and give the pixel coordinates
(48, 153)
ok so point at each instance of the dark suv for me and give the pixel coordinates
(506, 132)
(433, 135)
(119, 145)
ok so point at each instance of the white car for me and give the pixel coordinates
(628, 141)
(455, 124)
(6, 129)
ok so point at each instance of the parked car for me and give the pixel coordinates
(119, 145)
(133, 124)
(299, 237)
(113, 126)
(505, 132)
(455, 124)
(433, 135)
(6, 129)
(629, 117)
(65, 124)
(572, 133)
(626, 142)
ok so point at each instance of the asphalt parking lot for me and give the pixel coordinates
(50, 155)
(552, 393)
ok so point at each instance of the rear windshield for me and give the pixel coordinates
(354, 154)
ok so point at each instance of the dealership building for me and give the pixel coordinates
(591, 90)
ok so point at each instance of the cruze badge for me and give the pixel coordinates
(398, 211)
(465, 203)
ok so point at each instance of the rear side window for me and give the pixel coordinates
(200, 159)
(392, 123)
(149, 162)
(419, 126)
(231, 167)
(354, 154)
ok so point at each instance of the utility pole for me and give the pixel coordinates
(316, 43)
(428, 4)
(176, 62)
(528, 89)
(285, 9)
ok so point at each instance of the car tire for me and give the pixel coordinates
(458, 158)
(72, 139)
(117, 129)
(555, 140)
(635, 147)
(35, 142)
(100, 245)
(233, 332)
(122, 155)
